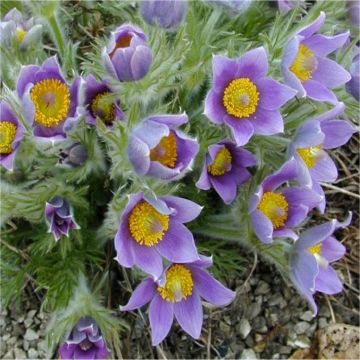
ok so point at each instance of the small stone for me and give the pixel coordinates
(259, 325)
(307, 316)
(302, 327)
(42, 346)
(253, 310)
(32, 354)
(286, 350)
(276, 356)
(20, 319)
(12, 341)
(19, 353)
(248, 354)
(28, 322)
(302, 342)
(224, 327)
(262, 288)
(244, 328)
(40, 316)
(17, 330)
(2, 321)
(31, 335)
(9, 354)
(31, 314)
(5, 337)
(26, 345)
(277, 300)
(322, 322)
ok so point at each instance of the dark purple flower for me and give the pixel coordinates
(127, 56)
(179, 292)
(59, 217)
(287, 5)
(11, 133)
(307, 69)
(274, 209)
(225, 169)
(157, 148)
(84, 342)
(353, 86)
(74, 155)
(309, 145)
(49, 103)
(310, 268)
(243, 97)
(151, 228)
(167, 14)
(100, 101)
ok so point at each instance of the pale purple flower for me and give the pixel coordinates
(59, 217)
(275, 209)
(225, 168)
(287, 5)
(152, 228)
(305, 66)
(243, 97)
(310, 268)
(159, 149)
(11, 134)
(84, 342)
(353, 86)
(127, 56)
(49, 103)
(178, 293)
(353, 7)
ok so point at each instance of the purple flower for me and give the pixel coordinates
(100, 101)
(74, 155)
(225, 169)
(353, 86)
(151, 228)
(309, 145)
(127, 56)
(179, 292)
(49, 103)
(243, 97)
(307, 69)
(59, 217)
(274, 210)
(167, 14)
(353, 7)
(84, 342)
(14, 26)
(157, 148)
(11, 133)
(287, 5)
(310, 268)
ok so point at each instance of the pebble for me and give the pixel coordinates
(31, 335)
(9, 354)
(20, 319)
(26, 345)
(286, 350)
(302, 327)
(248, 354)
(322, 322)
(307, 316)
(262, 288)
(32, 354)
(244, 328)
(31, 314)
(253, 310)
(19, 353)
(28, 322)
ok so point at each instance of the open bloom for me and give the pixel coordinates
(353, 86)
(310, 268)
(275, 210)
(179, 293)
(309, 145)
(11, 133)
(59, 217)
(225, 169)
(84, 342)
(307, 69)
(243, 97)
(151, 228)
(50, 104)
(127, 56)
(14, 26)
(100, 101)
(157, 148)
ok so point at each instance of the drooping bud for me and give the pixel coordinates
(74, 155)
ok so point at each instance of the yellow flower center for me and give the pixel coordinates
(179, 284)
(275, 207)
(51, 99)
(221, 163)
(241, 98)
(147, 226)
(305, 63)
(7, 136)
(309, 155)
(314, 250)
(166, 151)
(103, 106)
(20, 34)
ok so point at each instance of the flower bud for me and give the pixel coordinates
(74, 155)
(352, 87)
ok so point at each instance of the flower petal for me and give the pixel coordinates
(337, 133)
(332, 250)
(141, 62)
(262, 226)
(148, 260)
(214, 109)
(314, 26)
(241, 129)
(253, 64)
(139, 155)
(324, 169)
(225, 186)
(267, 122)
(328, 281)
(323, 45)
(141, 295)
(184, 210)
(319, 92)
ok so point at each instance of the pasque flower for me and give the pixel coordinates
(159, 149)
(353, 7)
(100, 101)
(353, 86)
(167, 14)
(127, 56)
(275, 209)
(310, 268)
(225, 169)
(84, 342)
(179, 292)
(74, 155)
(287, 5)
(243, 97)
(11, 133)
(307, 69)
(309, 146)
(151, 228)
(50, 104)
(59, 217)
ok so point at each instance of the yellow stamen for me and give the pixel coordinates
(221, 163)
(275, 207)
(305, 63)
(51, 99)
(314, 250)
(166, 151)
(20, 34)
(241, 98)
(7, 136)
(147, 226)
(309, 155)
(179, 284)
(103, 106)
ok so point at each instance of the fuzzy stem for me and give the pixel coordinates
(58, 35)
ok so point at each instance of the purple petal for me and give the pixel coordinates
(285, 233)
(253, 64)
(324, 169)
(319, 92)
(332, 250)
(171, 120)
(310, 29)
(184, 210)
(323, 45)
(141, 295)
(225, 186)
(67, 351)
(224, 71)
(262, 226)
(139, 155)
(123, 245)
(121, 61)
(267, 122)
(151, 132)
(295, 196)
(26, 76)
(333, 113)
(337, 133)
(328, 281)
(309, 134)
(84, 355)
(241, 129)
(319, 190)
(141, 62)
(163, 172)
(203, 262)
(203, 183)
(214, 109)
(148, 259)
